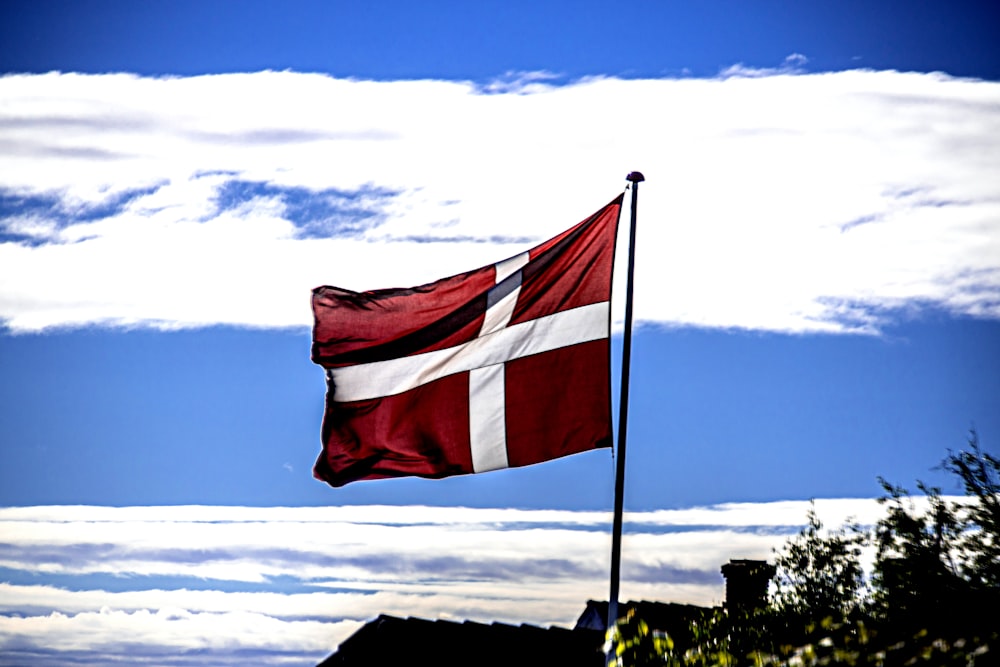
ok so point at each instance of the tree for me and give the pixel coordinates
(933, 559)
(915, 563)
(931, 599)
(980, 545)
(821, 575)
(941, 565)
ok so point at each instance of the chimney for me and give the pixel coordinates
(746, 583)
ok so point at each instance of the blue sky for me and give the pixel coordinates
(818, 294)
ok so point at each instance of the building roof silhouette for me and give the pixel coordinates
(390, 640)
(393, 641)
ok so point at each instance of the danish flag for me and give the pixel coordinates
(503, 366)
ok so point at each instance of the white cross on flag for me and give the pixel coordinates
(504, 366)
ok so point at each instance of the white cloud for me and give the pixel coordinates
(777, 201)
(166, 637)
(793, 64)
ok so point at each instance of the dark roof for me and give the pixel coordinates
(389, 640)
(667, 616)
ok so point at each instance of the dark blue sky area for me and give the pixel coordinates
(223, 416)
(481, 40)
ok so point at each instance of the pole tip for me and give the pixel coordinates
(635, 177)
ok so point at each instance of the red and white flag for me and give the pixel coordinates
(504, 366)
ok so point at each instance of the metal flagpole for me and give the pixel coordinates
(616, 531)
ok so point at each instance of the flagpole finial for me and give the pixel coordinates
(635, 177)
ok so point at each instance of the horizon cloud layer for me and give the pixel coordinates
(218, 585)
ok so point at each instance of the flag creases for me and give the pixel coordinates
(503, 366)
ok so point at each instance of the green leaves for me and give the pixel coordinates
(821, 575)
(637, 646)
(827, 642)
(935, 584)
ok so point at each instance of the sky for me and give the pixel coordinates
(817, 296)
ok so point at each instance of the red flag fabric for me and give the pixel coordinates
(504, 366)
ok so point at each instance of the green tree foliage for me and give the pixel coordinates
(636, 645)
(825, 643)
(932, 598)
(979, 547)
(915, 566)
(940, 565)
(819, 575)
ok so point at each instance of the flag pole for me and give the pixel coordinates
(616, 531)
